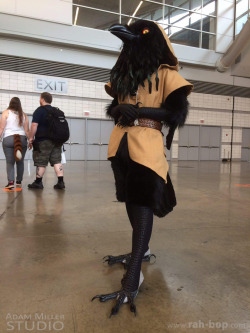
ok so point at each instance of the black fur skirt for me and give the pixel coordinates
(140, 185)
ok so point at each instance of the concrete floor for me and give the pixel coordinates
(52, 244)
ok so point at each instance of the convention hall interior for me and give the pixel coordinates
(52, 242)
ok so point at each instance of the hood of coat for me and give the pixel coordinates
(176, 65)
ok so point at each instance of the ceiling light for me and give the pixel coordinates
(137, 8)
(77, 12)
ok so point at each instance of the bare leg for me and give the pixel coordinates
(40, 171)
(58, 169)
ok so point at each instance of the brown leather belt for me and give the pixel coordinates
(144, 122)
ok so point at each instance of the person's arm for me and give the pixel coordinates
(34, 125)
(3, 122)
(33, 130)
(26, 126)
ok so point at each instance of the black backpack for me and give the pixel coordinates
(58, 126)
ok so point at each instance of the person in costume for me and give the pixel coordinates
(148, 92)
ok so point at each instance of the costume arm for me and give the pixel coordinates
(153, 113)
(123, 114)
(110, 112)
(177, 110)
(173, 112)
(176, 105)
(160, 115)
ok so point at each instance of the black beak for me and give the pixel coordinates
(122, 32)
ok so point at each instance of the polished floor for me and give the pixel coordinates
(52, 244)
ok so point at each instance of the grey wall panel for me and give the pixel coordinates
(103, 152)
(168, 153)
(210, 137)
(77, 131)
(183, 153)
(75, 147)
(245, 151)
(93, 131)
(77, 152)
(205, 136)
(98, 134)
(106, 129)
(204, 154)
(215, 136)
(193, 153)
(189, 143)
(93, 153)
(214, 154)
(67, 148)
(246, 137)
(193, 135)
(183, 136)
(245, 154)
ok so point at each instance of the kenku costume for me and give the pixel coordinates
(148, 93)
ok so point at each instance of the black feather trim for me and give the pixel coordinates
(157, 80)
(176, 106)
(149, 84)
(109, 108)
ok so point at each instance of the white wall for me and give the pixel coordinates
(90, 96)
(59, 11)
(225, 24)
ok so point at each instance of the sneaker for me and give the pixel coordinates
(18, 183)
(35, 185)
(10, 186)
(59, 186)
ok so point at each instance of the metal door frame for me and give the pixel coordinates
(187, 146)
(203, 125)
(86, 133)
(199, 147)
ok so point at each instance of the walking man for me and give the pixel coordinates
(44, 149)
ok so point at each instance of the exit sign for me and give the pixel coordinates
(58, 86)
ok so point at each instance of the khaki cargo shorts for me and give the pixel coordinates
(46, 151)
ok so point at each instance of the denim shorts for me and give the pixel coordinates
(45, 152)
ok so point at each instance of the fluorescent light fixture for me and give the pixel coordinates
(76, 17)
(137, 8)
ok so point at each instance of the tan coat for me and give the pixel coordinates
(146, 145)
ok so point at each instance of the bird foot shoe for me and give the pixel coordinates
(111, 260)
(125, 258)
(120, 296)
(140, 283)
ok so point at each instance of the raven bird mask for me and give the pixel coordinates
(146, 47)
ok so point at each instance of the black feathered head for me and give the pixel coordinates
(145, 47)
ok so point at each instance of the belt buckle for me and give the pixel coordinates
(136, 122)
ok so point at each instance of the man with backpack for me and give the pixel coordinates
(49, 130)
